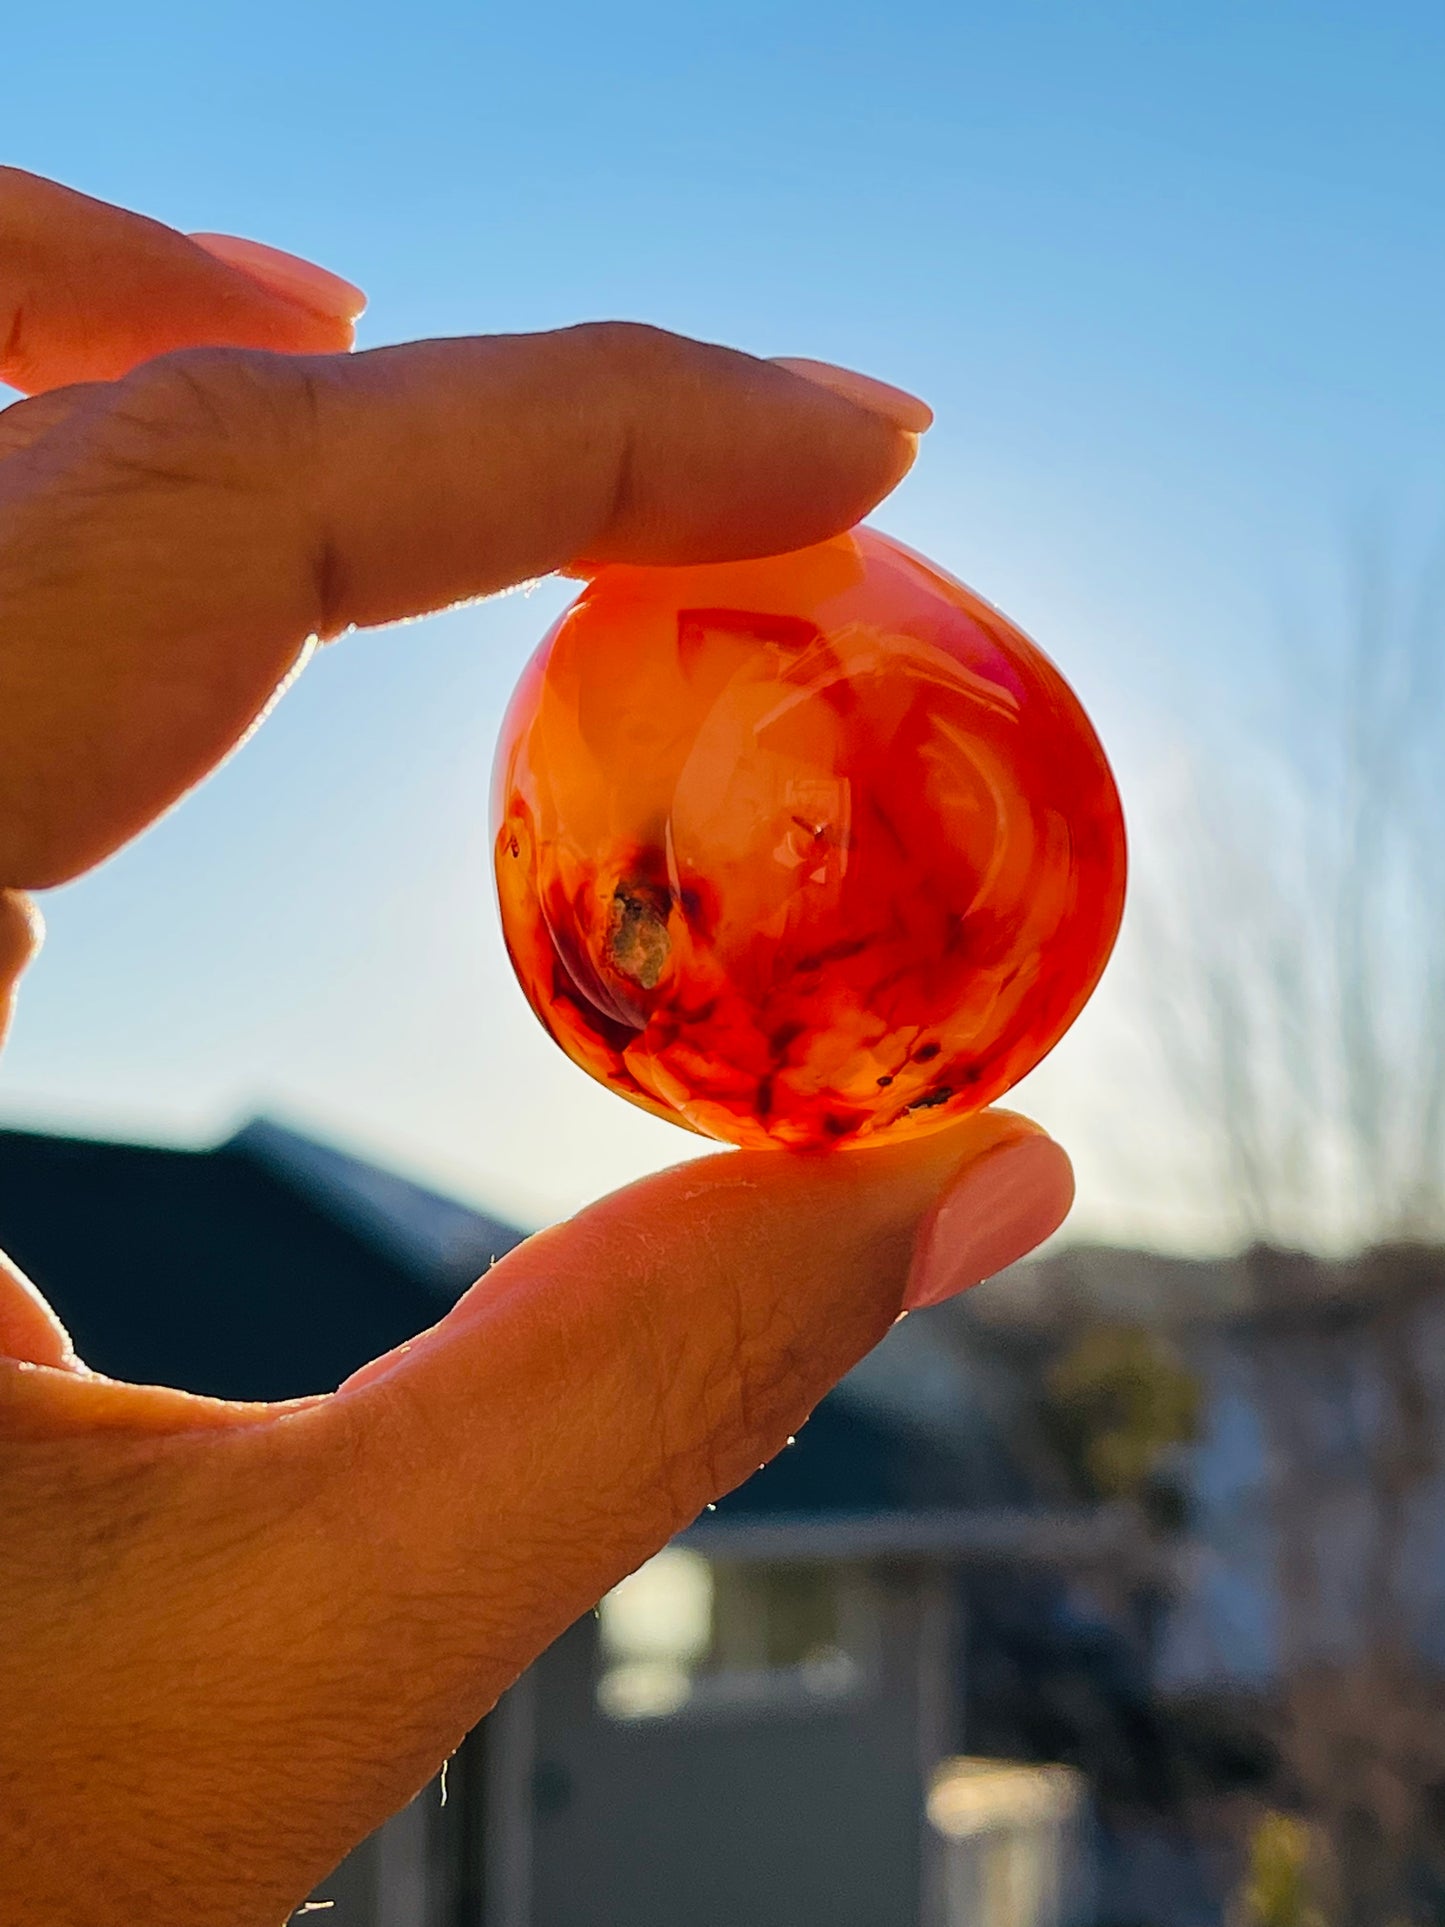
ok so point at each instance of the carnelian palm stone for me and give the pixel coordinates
(803, 851)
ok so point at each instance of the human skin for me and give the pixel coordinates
(233, 1638)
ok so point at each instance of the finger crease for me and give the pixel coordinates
(624, 482)
(329, 574)
(10, 354)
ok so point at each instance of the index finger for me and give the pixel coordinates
(168, 550)
(89, 291)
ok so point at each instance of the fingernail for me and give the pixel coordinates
(994, 1213)
(895, 405)
(288, 275)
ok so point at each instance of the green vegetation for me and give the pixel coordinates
(1278, 1891)
(1117, 1404)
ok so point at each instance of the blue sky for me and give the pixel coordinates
(1173, 278)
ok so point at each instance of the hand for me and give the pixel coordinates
(233, 1638)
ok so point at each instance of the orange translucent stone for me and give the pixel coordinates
(803, 851)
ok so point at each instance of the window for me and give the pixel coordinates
(689, 1632)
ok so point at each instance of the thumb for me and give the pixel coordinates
(299, 1611)
(610, 1377)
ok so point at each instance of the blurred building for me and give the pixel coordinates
(1322, 1394)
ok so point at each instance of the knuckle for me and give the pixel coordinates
(625, 367)
(629, 349)
(123, 545)
(212, 415)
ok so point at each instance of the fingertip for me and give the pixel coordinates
(294, 278)
(22, 931)
(90, 291)
(895, 405)
(998, 1208)
(731, 456)
(908, 446)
